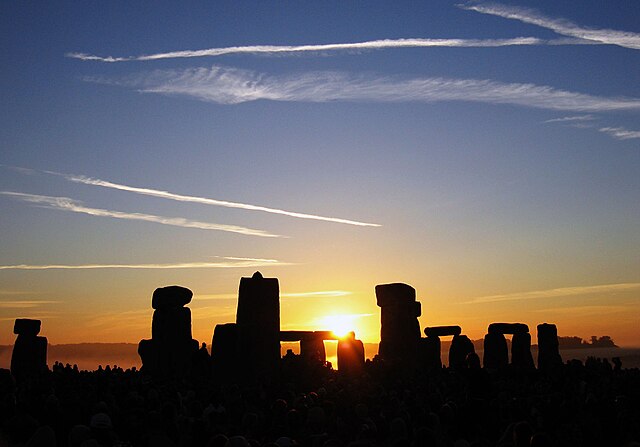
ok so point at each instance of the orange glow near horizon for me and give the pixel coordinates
(340, 325)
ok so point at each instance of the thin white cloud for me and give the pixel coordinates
(620, 133)
(380, 44)
(24, 304)
(571, 119)
(233, 86)
(561, 26)
(206, 200)
(555, 293)
(67, 204)
(246, 262)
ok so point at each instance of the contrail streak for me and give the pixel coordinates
(224, 85)
(184, 265)
(331, 47)
(67, 204)
(207, 201)
(561, 26)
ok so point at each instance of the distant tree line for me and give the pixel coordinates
(596, 342)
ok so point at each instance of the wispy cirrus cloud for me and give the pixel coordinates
(67, 204)
(380, 44)
(558, 292)
(563, 27)
(206, 200)
(620, 133)
(230, 263)
(233, 86)
(571, 119)
(25, 304)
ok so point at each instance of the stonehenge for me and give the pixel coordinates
(29, 356)
(249, 348)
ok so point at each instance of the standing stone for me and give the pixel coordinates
(548, 347)
(224, 350)
(460, 347)
(171, 350)
(496, 352)
(29, 356)
(400, 329)
(312, 350)
(350, 355)
(429, 349)
(521, 351)
(258, 321)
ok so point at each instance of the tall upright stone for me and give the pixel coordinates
(312, 350)
(171, 350)
(521, 351)
(460, 348)
(350, 355)
(224, 350)
(548, 347)
(496, 351)
(400, 329)
(258, 322)
(29, 356)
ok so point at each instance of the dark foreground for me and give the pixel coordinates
(590, 404)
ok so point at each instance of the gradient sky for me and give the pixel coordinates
(488, 154)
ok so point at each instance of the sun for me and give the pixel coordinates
(340, 325)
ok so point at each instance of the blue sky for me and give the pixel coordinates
(494, 146)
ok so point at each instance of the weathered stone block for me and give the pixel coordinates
(521, 351)
(395, 293)
(171, 297)
(171, 323)
(24, 326)
(258, 321)
(548, 347)
(496, 352)
(442, 331)
(312, 350)
(429, 353)
(508, 328)
(350, 356)
(29, 356)
(460, 347)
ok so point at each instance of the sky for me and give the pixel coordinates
(488, 154)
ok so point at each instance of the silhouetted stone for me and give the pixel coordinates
(508, 328)
(350, 355)
(548, 347)
(29, 356)
(171, 350)
(171, 297)
(429, 353)
(442, 331)
(400, 330)
(258, 321)
(24, 326)
(496, 352)
(171, 323)
(312, 350)
(521, 351)
(460, 347)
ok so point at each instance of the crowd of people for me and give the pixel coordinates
(595, 403)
